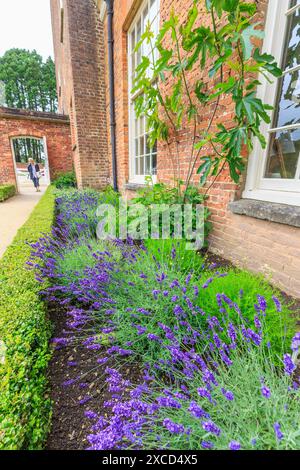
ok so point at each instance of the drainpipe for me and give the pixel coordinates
(112, 113)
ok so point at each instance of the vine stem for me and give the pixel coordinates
(218, 98)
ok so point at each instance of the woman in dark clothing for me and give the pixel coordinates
(34, 173)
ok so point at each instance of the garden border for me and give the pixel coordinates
(25, 330)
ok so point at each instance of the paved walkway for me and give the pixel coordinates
(14, 212)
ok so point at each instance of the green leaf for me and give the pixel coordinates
(192, 16)
(192, 111)
(204, 169)
(202, 97)
(246, 36)
(230, 5)
(268, 62)
(249, 8)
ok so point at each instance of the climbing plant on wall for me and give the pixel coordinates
(224, 54)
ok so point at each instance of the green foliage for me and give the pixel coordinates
(160, 193)
(24, 331)
(29, 82)
(65, 180)
(241, 287)
(7, 191)
(185, 260)
(226, 48)
(74, 261)
(249, 417)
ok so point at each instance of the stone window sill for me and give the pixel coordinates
(134, 186)
(271, 211)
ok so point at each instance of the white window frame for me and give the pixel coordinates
(258, 187)
(133, 177)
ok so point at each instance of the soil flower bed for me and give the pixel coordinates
(194, 356)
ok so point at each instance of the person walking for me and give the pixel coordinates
(34, 173)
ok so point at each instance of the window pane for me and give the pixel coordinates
(148, 165)
(132, 40)
(139, 52)
(283, 154)
(142, 150)
(288, 111)
(154, 164)
(142, 158)
(292, 54)
(147, 145)
(142, 172)
(136, 147)
(142, 126)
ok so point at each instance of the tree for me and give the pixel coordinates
(29, 82)
(227, 58)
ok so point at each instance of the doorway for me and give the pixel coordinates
(23, 149)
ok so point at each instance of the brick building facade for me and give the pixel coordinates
(23, 123)
(256, 225)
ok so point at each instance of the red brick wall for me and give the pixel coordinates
(55, 128)
(80, 79)
(255, 244)
(251, 243)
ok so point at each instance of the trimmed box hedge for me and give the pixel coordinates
(7, 191)
(25, 330)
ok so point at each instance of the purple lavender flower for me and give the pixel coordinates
(153, 337)
(84, 400)
(262, 303)
(168, 402)
(174, 428)
(207, 445)
(277, 304)
(231, 332)
(228, 394)
(202, 392)
(155, 293)
(197, 411)
(178, 310)
(210, 426)
(277, 430)
(234, 445)
(257, 322)
(289, 365)
(296, 342)
(90, 414)
(266, 392)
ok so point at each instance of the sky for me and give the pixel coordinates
(26, 24)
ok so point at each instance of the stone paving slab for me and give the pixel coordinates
(14, 212)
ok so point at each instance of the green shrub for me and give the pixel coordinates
(184, 261)
(240, 288)
(7, 191)
(65, 180)
(160, 194)
(24, 333)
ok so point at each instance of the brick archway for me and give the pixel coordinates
(55, 128)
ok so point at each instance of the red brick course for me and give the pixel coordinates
(21, 123)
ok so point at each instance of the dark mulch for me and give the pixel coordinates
(69, 425)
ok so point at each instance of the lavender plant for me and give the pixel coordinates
(215, 374)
